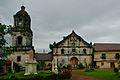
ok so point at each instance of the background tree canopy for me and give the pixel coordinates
(4, 29)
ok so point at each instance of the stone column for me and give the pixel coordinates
(55, 66)
(35, 67)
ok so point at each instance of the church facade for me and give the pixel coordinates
(72, 50)
(21, 37)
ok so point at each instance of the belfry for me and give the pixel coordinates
(21, 38)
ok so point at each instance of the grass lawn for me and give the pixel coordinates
(8, 75)
(21, 74)
(41, 74)
(100, 74)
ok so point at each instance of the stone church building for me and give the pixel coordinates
(21, 37)
(72, 50)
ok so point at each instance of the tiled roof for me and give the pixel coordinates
(43, 56)
(107, 47)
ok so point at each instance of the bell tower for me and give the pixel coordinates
(22, 19)
(22, 33)
(21, 37)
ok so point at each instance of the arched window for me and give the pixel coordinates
(117, 56)
(84, 51)
(19, 40)
(62, 51)
(73, 50)
(103, 56)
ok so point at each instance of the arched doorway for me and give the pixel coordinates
(74, 62)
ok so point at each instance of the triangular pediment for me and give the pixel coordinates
(72, 40)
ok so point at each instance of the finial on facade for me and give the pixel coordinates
(73, 31)
(22, 7)
(90, 43)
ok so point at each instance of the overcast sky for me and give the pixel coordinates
(94, 20)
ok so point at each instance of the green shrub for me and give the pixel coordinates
(80, 65)
(2, 74)
(60, 76)
(39, 76)
(59, 69)
(116, 70)
(89, 69)
(69, 67)
(13, 77)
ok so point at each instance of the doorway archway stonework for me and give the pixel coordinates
(74, 62)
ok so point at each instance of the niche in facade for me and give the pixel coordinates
(19, 40)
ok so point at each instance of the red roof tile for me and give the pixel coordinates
(43, 57)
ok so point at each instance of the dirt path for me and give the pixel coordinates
(83, 77)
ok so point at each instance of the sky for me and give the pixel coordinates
(96, 21)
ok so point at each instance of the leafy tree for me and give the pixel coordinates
(41, 65)
(51, 46)
(119, 64)
(4, 29)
